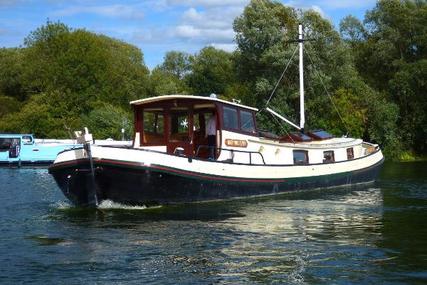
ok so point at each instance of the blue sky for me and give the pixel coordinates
(155, 26)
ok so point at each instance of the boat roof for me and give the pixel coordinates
(3, 135)
(171, 97)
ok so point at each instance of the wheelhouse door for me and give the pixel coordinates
(180, 132)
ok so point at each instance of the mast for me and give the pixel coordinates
(301, 78)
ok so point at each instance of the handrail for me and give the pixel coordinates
(232, 150)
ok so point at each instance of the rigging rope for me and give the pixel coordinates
(281, 77)
(327, 93)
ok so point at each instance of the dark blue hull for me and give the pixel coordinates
(139, 185)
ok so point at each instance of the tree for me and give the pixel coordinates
(8, 105)
(211, 71)
(352, 30)
(42, 117)
(66, 73)
(163, 83)
(11, 73)
(92, 67)
(391, 58)
(169, 77)
(337, 98)
(176, 63)
(107, 121)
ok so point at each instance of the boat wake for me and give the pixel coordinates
(63, 205)
(110, 205)
(105, 205)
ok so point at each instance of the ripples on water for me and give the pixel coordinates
(375, 234)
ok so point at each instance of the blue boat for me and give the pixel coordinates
(23, 149)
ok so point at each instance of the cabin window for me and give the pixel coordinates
(328, 156)
(5, 144)
(154, 124)
(300, 157)
(247, 121)
(230, 118)
(350, 153)
(179, 125)
(27, 139)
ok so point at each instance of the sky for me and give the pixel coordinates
(155, 26)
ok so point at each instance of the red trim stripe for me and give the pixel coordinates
(173, 170)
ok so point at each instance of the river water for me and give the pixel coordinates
(375, 234)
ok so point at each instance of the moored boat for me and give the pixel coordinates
(18, 150)
(192, 148)
(23, 149)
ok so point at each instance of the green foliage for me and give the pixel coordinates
(107, 121)
(40, 117)
(92, 67)
(163, 83)
(391, 56)
(176, 63)
(169, 77)
(265, 36)
(63, 73)
(11, 72)
(212, 72)
(8, 105)
(262, 32)
(382, 126)
(352, 30)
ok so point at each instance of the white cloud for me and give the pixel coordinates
(209, 26)
(185, 31)
(208, 3)
(114, 11)
(213, 18)
(227, 47)
(331, 4)
(319, 10)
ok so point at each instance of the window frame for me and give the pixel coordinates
(305, 152)
(252, 119)
(332, 156)
(350, 155)
(237, 117)
(175, 137)
(156, 114)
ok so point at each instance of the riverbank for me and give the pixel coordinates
(408, 156)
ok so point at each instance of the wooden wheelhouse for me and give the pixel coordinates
(176, 124)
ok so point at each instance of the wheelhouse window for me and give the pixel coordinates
(300, 157)
(179, 125)
(350, 153)
(154, 124)
(328, 156)
(247, 122)
(230, 118)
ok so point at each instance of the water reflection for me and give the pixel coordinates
(253, 240)
(404, 221)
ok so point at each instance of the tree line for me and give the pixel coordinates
(366, 80)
